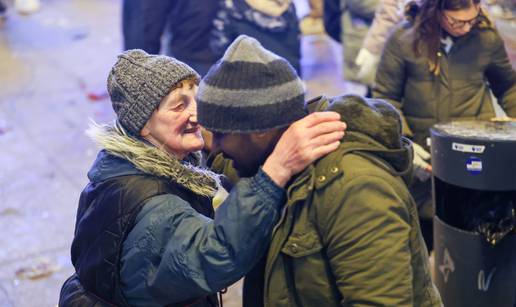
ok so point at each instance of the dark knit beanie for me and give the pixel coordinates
(250, 89)
(139, 81)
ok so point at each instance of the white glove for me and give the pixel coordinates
(422, 169)
(367, 63)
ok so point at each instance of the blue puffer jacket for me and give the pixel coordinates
(180, 254)
(173, 253)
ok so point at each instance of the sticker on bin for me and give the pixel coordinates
(478, 149)
(474, 165)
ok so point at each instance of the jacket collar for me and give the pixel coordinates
(123, 154)
(108, 166)
(374, 132)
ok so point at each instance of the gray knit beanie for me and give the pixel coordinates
(250, 89)
(139, 81)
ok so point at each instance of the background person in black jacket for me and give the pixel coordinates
(183, 25)
(273, 23)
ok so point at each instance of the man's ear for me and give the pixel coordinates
(259, 135)
(264, 137)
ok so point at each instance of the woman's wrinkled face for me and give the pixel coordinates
(459, 22)
(173, 125)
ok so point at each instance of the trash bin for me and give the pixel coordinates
(474, 193)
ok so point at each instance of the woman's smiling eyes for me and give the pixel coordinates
(179, 107)
(182, 104)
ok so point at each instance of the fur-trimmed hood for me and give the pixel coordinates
(373, 129)
(139, 157)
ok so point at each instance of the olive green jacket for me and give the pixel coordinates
(349, 233)
(475, 64)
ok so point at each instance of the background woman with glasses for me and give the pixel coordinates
(440, 65)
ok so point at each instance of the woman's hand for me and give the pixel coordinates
(305, 141)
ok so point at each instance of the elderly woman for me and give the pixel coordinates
(146, 232)
(443, 65)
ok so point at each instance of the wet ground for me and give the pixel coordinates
(53, 68)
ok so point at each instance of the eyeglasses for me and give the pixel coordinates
(458, 24)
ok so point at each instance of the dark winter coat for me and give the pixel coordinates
(476, 64)
(183, 25)
(279, 34)
(145, 232)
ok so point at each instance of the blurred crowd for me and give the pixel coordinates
(422, 62)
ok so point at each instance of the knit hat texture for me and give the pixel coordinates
(250, 89)
(138, 82)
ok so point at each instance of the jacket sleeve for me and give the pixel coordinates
(366, 233)
(386, 17)
(502, 77)
(221, 165)
(175, 254)
(391, 77)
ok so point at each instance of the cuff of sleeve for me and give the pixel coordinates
(262, 183)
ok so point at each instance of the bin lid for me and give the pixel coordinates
(479, 130)
(475, 154)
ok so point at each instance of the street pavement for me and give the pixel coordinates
(53, 69)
